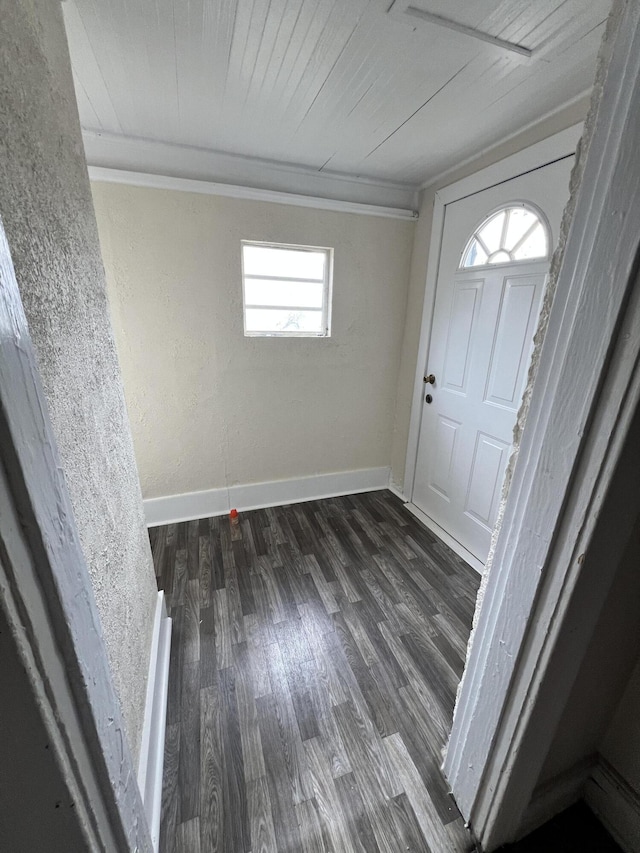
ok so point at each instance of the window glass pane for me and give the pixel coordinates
(291, 263)
(279, 320)
(535, 246)
(491, 232)
(302, 294)
(525, 238)
(520, 220)
(476, 255)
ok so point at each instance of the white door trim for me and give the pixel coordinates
(585, 397)
(47, 598)
(555, 147)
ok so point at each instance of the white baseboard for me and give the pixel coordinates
(212, 502)
(150, 766)
(556, 795)
(455, 546)
(616, 803)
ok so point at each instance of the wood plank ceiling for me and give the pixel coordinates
(344, 86)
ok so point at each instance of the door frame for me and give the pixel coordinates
(556, 147)
(553, 563)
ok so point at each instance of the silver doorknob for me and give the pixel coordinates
(430, 379)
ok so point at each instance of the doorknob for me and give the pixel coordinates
(430, 379)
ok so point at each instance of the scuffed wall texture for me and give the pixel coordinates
(567, 117)
(210, 408)
(46, 207)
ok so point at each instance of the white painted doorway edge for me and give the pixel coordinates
(555, 147)
(585, 397)
(47, 599)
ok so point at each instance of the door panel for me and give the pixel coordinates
(464, 313)
(485, 479)
(510, 355)
(481, 343)
(445, 446)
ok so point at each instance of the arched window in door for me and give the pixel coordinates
(511, 234)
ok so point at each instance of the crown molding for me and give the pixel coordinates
(245, 177)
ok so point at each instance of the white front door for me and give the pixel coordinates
(484, 320)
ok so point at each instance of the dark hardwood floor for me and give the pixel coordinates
(316, 653)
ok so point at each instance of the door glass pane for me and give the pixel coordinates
(476, 256)
(520, 220)
(491, 232)
(535, 246)
(510, 235)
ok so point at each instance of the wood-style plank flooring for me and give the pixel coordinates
(316, 653)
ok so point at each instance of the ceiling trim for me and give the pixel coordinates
(170, 182)
(555, 147)
(440, 179)
(160, 159)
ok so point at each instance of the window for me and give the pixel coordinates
(513, 234)
(286, 290)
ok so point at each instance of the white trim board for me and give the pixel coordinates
(189, 185)
(616, 803)
(442, 534)
(151, 763)
(559, 145)
(437, 180)
(556, 794)
(192, 505)
(555, 147)
(161, 160)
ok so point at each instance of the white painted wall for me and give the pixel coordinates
(210, 408)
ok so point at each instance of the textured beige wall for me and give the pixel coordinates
(210, 408)
(46, 207)
(567, 117)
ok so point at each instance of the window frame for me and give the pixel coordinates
(516, 203)
(327, 290)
